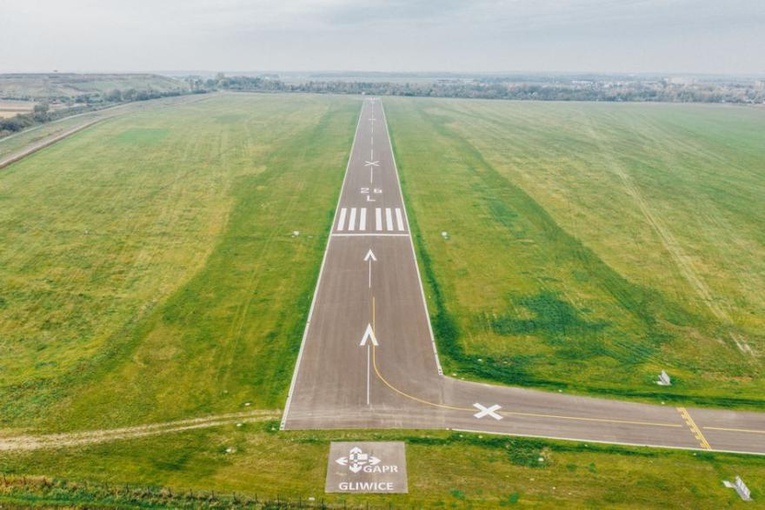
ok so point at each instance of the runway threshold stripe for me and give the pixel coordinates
(352, 220)
(378, 219)
(363, 219)
(694, 428)
(341, 221)
(399, 220)
(371, 234)
(388, 219)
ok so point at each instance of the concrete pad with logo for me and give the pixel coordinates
(367, 467)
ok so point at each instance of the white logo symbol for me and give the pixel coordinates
(357, 459)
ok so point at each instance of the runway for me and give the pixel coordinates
(368, 359)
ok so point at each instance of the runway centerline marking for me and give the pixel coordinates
(369, 371)
(694, 428)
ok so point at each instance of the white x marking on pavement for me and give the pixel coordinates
(487, 411)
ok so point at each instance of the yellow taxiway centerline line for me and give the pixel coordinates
(389, 385)
(601, 420)
(471, 410)
(724, 429)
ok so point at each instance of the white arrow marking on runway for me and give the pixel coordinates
(369, 335)
(487, 411)
(370, 257)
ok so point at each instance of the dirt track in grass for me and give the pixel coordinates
(29, 442)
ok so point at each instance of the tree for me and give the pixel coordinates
(40, 112)
(115, 96)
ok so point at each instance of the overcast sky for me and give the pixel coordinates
(675, 36)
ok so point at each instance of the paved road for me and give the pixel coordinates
(368, 359)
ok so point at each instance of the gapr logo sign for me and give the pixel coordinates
(358, 461)
(367, 467)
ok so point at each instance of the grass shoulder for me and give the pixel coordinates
(257, 465)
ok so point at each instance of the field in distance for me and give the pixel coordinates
(588, 246)
(10, 108)
(42, 86)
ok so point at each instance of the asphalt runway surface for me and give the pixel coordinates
(368, 359)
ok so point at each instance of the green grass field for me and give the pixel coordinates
(155, 275)
(150, 273)
(16, 142)
(592, 245)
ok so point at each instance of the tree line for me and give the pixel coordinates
(539, 88)
(659, 90)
